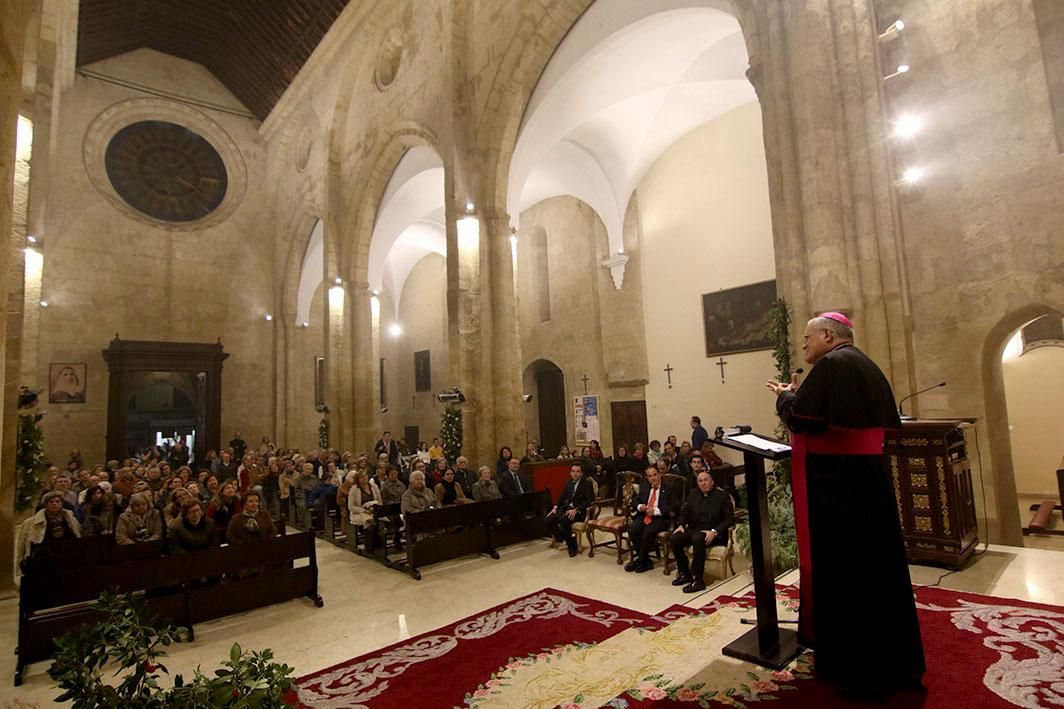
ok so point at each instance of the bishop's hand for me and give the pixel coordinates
(778, 388)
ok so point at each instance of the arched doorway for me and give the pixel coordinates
(545, 414)
(1006, 502)
(1033, 376)
(164, 407)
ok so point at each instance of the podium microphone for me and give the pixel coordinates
(917, 393)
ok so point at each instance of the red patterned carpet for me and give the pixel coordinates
(554, 649)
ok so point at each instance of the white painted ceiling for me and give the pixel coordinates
(630, 79)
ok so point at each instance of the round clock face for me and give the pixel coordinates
(166, 171)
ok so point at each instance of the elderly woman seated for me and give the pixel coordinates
(485, 488)
(363, 496)
(252, 524)
(172, 513)
(448, 492)
(140, 522)
(418, 497)
(393, 488)
(50, 523)
(195, 531)
(99, 511)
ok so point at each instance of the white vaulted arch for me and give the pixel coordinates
(629, 80)
(311, 274)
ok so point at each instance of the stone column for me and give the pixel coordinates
(14, 16)
(361, 400)
(838, 238)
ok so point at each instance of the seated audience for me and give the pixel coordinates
(704, 521)
(423, 453)
(503, 463)
(324, 491)
(225, 505)
(61, 483)
(393, 488)
(140, 522)
(485, 488)
(48, 524)
(576, 497)
(99, 511)
(709, 456)
(195, 531)
(439, 469)
(623, 462)
(448, 491)
(172, 513)
(252, 524)
(512, 482)
(655, 452)
(531, 454)
(464, 475)
(364, 495)
(563, 452)
(418, 497)
(436, 451)
(653, 513)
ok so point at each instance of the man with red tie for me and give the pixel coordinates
(653, 513)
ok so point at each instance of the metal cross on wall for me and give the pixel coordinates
(585, 380)
(720, 363)
(668, 372)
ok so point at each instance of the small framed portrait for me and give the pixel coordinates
(66, 383)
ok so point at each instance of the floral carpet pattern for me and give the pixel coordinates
(554, 649)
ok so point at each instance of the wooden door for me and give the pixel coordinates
(629, 423)
(550, 385)
(411, 437)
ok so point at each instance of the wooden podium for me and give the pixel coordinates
(767, 645)
(933, 484)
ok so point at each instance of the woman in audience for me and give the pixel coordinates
(503, 463)
(172, 513)
(199, 493)
(342, 494)
(423, 453)
(531, 454)
(364, 495)
(163, 498)
(140, 523)
(624, 462)
(485, 488)
(223, 508)
(52, 522)
(655, 452)
(99, 512)
(639, 455)
(448, 492)
(595, 452)
(393, 488)
(439, 470)
(252, 524)
(195, 531)
(418, 497)
(564, 452)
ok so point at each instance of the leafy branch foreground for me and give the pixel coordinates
(126, 647)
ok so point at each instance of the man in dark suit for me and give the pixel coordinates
(576, 497)
(653, 513)
(387, 445)
(704, 521)
(512, 482)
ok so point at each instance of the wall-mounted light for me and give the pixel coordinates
(269, 318)
(902, 69)
(912, 175)
(395, 329)
(31, 239)
(892, 31)
(376, 293)
(469, 206)
(468, 233)
(338, 280)
(907, 125)
(44, 303)
(306, 324)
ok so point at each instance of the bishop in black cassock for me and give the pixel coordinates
(857, 607)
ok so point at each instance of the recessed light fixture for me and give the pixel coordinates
(395, 329)
(44, 303)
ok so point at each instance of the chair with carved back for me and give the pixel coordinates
(614, 524)
(722, 554)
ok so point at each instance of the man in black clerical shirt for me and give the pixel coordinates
(653, 514)
(386, 445)
(704, 521)
(576, 497)
(239, 446)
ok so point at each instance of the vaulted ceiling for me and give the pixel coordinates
(254, 47)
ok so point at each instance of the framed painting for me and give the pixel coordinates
(66, 382)
(422, 371)
(737, 319)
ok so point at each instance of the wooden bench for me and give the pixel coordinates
(446, 533)
(58, 589)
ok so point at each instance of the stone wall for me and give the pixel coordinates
(107, 270)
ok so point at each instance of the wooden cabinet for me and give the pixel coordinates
(933, 483)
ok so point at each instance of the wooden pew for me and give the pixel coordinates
(58, 591)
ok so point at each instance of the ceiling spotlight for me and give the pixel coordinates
(891, 33)
(907, 125)
(44, 303)
(395, 329)
(268, 317)
(902, 69)
(913, 175)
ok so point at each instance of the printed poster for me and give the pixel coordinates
(586, 418)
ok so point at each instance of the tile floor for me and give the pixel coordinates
(368, 606)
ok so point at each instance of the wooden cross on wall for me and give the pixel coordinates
(669, 369)
(720, 363)
(585, 380)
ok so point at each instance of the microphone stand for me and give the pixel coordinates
(901, 414)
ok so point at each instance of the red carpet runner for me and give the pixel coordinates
(981, 651)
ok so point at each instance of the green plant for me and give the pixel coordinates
(323, 433)
(451, 432)
(132, 647)
(778, 485)
(29, 461)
